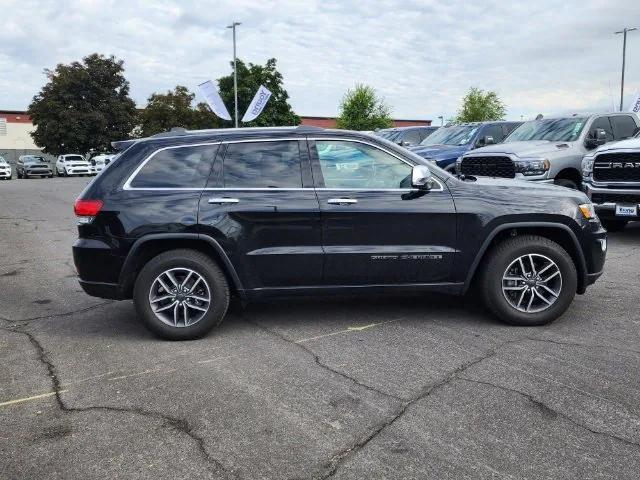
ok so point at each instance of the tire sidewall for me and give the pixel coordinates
(508, 313)
(218, 289)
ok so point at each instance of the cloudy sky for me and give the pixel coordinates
(421, 56)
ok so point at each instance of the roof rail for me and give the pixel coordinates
(308, 128)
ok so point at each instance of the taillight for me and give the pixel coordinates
(87, 208)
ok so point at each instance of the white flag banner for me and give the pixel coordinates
(635, 105)
(257, 104)
(210, 93)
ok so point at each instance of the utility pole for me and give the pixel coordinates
(235, 71)
(624, 54)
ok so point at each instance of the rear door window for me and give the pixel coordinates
(263, 165)
(624, 126)
(177, 167)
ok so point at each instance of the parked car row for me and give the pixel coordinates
(29, 166)
(588, 152)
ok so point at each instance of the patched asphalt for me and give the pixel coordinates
(415, 386)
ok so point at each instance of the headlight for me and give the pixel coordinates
(532, 166)
(587, 167)
(587, 210)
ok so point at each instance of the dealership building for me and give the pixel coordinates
(16, 127)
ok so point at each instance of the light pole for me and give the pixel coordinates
(235, 71)
(624, 54)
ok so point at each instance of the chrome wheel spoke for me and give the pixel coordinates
(164, 285)
(185, 311)
(173, 280)
(553, 275)
(524, 287)
(197, 297)
(166, 307)
(197, 307)
(176, 314)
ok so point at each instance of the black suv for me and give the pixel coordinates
(181, 221)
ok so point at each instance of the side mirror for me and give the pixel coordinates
(597, 138)
(404, 143)
(486, 140)
(421, 177)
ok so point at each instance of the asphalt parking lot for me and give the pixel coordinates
(351, 388)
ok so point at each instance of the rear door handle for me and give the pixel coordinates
(221, 200)
(342, 201)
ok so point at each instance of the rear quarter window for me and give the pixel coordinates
(176, 167)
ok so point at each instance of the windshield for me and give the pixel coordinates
(74, 157)
(553, 129)
(34, 159)
(455, 135)
(2, 160)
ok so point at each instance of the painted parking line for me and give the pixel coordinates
(348, 330)
(28, 399)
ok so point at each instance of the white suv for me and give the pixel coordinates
(99, 162)
(5, 169)
(72, 164)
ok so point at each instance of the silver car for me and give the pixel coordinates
(549, 150)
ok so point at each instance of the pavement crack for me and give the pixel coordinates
(545, 407)
(25, 321)
(177, 424)
(320, 363)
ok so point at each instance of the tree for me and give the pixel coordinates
(84, 105)
(175, 109)
(480, 106)
(361, 109)
(278, 112)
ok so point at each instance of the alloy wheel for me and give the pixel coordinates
(532, 283)
(180, 297)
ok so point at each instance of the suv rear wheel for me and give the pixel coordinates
(528, 280)
(181, 294)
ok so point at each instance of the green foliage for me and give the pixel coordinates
(175, 109)
(361, 109)
(480, 106)
(84, 105)
(278, 112)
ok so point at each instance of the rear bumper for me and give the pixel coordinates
(109, 291)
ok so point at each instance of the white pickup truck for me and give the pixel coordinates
(549, 150)
(611, 179)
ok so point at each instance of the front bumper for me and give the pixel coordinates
(35, 172)
(5, 173)
(606, 198)
(78, 170)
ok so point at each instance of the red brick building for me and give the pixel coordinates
(330, 122)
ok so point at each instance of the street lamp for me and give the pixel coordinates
(624, 53)
(235, 72)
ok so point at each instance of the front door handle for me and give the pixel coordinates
(221, 200)
(342, 201)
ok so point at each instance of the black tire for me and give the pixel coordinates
(496, 264)
(18, 175)
(612, 225)
(565, 182)
(204, 266)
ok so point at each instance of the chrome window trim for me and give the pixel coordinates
(127, 185)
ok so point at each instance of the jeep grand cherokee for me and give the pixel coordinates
(181, 221)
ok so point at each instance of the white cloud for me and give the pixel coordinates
(422, 56)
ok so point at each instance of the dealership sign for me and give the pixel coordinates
(635, 106)
(257, 104)
(211, 95)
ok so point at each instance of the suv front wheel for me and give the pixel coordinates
(528, 280)
(181, 294)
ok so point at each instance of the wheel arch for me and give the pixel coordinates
(570, 173)
(149, 246)
(557, 232)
